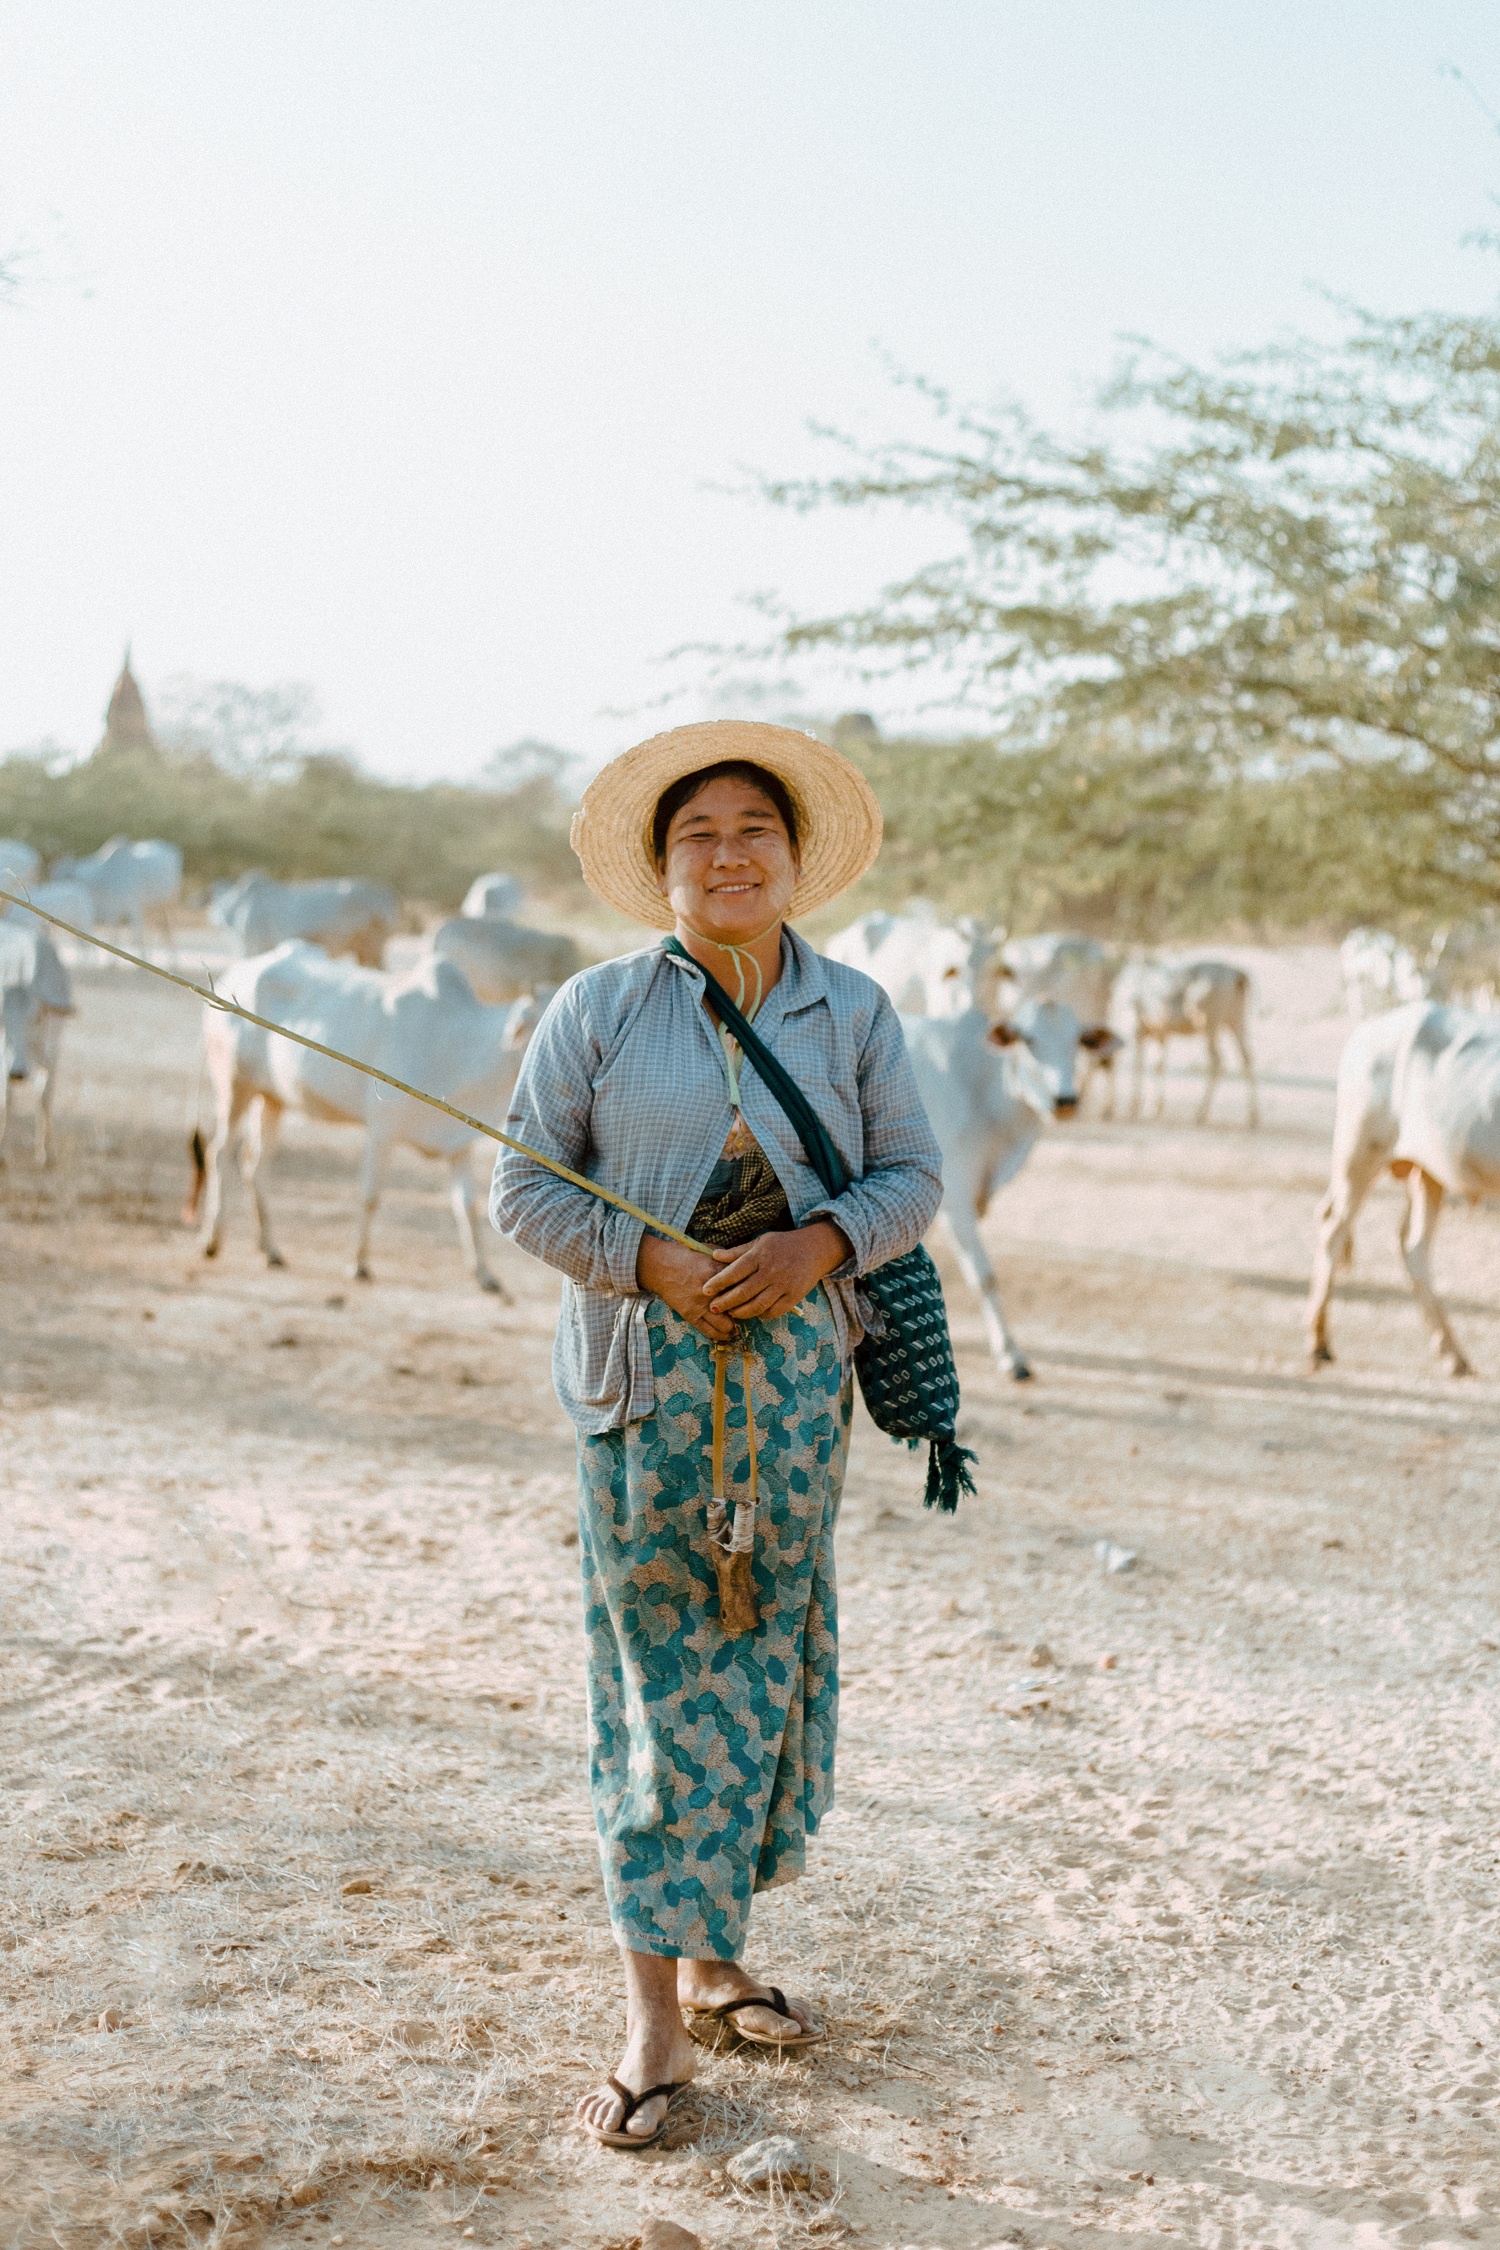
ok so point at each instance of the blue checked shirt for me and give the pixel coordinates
(624, 1081)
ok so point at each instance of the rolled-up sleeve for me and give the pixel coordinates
(891, 1207)
(590, 1241)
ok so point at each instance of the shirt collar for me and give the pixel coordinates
(803, 981)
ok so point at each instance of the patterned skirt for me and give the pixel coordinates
(711, 1760)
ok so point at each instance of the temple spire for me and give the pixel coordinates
(126, 726)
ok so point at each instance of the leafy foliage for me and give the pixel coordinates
(1248, 657)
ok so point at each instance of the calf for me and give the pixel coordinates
(1162, 1000)
(425, 1028)
(35, 996)
(988, 1090)
(1418, 1091)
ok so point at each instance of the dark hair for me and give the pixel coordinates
(671, 801)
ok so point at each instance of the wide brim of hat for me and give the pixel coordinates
(838, 819)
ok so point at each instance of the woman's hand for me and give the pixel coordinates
(680, 1278)
(770, 1275)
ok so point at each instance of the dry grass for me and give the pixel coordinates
(1198, 1948)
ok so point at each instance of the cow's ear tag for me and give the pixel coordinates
(1002, 1034)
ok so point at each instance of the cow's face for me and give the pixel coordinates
(1048, 1030)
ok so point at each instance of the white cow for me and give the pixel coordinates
(1060, 965)
(492, 894)
(342, 914)
(1162, 1000)
(69, 901)
(425, 1027)
(1462, 966)
(124, 879)
(35, 996)
(929, 968)
(1418, 1091)
(1379, 972)
(504, 960)
(988, 1090)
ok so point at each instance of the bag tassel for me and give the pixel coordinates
(731, 1537)
(948, 1473)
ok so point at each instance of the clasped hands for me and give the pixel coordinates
(754, 1281)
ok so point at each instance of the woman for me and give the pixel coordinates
(711, 1751)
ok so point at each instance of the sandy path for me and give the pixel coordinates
(1200, 1947)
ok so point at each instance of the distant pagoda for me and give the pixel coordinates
(126, 726)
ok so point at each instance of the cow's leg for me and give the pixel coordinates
(467, 1216)
(230, 1110)
(1336, 1216)
(1424, 1200)
(372, 1164)
(961, 1220)
(258, 1144)
(48, 1080)
(1247, 1071)
(5, 1083)
(1211, 1076)
(1105, 1067)
(1137, 1072)
(1161, 1079)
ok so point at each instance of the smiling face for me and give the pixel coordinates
(729, 868)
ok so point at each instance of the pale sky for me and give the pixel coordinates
(397, 347)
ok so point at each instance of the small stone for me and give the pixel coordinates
(778, 2162)
(666, 2234)
(412, 2032)
(1039, 1653)
(300, 2197)
(1108, 1663)
(359, 1887)
(110, 2019)
(1112, 1557)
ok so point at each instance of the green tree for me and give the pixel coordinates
(1268, 608)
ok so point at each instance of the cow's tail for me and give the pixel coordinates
(197, 1149)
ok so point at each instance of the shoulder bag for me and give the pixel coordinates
(906, 1371)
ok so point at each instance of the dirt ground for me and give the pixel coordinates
(1180, 1927)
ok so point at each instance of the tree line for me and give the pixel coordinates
(296, 814)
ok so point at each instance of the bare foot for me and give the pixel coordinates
(654, 2056)
(708, 1984)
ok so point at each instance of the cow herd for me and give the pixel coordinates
(1006, 1038)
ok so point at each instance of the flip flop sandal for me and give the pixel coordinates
(729, 2009)
(620, 2138)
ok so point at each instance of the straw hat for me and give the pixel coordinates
(838, 819)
